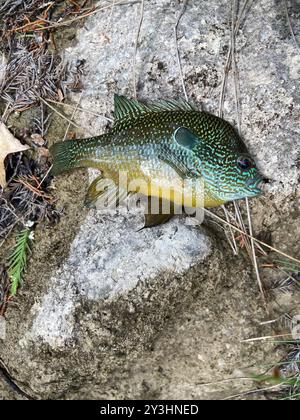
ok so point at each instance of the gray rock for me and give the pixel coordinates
(108, 257)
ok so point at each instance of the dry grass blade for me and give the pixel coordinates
(290, 26)
(73, 116)
(87, 14)
(254, 253)
(78, 108)
(181, 13)
(241, 224)
(242, 14)
(251, 237)
(267, 337)
(60, 114)
(29, 76)
(234, 29)
(234, 63)
(252, 391)
(136, 48)
(236, 19)
(231, 238)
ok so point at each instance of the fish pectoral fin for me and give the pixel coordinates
(179, 166)
(104, 193)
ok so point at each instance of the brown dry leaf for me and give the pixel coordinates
(42, 155)
(37, 139)
(8, 144)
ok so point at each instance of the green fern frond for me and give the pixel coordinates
(18, 259)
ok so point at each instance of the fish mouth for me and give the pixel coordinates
(255, 185)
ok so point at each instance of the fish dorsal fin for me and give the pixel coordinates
(126, 108)
(172, 105)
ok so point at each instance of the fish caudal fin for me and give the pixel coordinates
(65, 156)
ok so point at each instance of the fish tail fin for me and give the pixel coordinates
(66, 156)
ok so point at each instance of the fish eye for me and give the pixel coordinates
(244, 163)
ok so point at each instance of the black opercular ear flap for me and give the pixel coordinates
(185, 138)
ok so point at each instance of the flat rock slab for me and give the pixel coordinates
(110, 256)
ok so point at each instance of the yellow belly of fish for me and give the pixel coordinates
(164, 183)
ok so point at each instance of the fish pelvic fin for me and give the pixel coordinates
(152, 220)
(155, 219)
(103, 193)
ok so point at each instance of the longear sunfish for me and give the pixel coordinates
(166, 143)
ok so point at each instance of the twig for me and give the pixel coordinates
(232, 242)
(90, 13)
(34, 190)
(44, 177)
(136, 47)
(268, 337)
(181, 13)
(228, 58)
(253, 253)
(240, 220)
(252, 391)
(234, 64)
(59, 113)
(6, 377)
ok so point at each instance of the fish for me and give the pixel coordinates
(169, 146)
